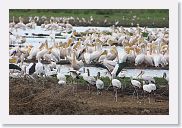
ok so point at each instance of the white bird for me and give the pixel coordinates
(139, 59)
(89, 79)
(136, 84)
(33, 52)
(41, 53)
(147, 79)
(165, 76)
(61, 77)
(99, 84)
(75, 75)
(116, 85)
(148, 88)
(39, 69)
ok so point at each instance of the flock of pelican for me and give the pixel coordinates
(88, 49)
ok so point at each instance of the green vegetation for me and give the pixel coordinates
(126, 17)
(125, 81)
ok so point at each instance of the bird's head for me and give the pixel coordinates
(164, 75)
(141, 73)
(98, 75)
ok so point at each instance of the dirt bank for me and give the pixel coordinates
(45, 96)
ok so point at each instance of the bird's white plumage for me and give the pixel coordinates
(61, 82)
(136, 83)
(116, 83)
(153, 87)
(99, 84)
(147, 88)
(61, 77)
(139, 59)
(90, 79)
(39, 68)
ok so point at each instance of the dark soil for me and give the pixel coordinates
(45, 97)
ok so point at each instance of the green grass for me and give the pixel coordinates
(159, 17)
(126, 81)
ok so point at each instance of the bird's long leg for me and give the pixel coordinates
(89, 89)
(73, 90)
(108, 87)
(124, 83)
(134, 92)
(97, 92)
(122, 88)
(116, 95)
(137, 93)
(143, 94)
(100, 92)
(72, 81)
(149, 98)
(154, 94)
(76, 85)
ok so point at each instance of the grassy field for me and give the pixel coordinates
(126, 17)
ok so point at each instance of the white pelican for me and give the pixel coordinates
(113, 53)
(56, 52)
(75, 64)
(139, 59)
(149, 60)
(41, 53)
(33, 52)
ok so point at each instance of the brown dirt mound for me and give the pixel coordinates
(45, 97)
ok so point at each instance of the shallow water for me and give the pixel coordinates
(128, 72)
